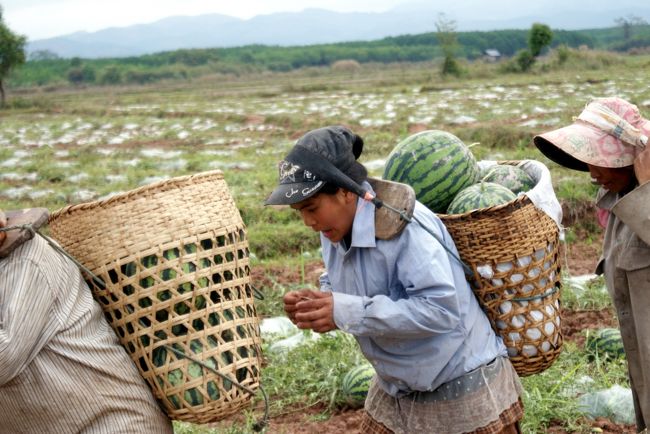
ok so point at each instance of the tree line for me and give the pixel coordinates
(45, 68)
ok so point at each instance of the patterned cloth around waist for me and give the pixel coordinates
(506, 424)
(462, 405)
(468, 383)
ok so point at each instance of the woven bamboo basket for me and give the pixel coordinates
(175, 261)
(513, 251)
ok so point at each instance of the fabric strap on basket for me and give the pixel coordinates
(330, 173)
(29, 229)
(537, 297)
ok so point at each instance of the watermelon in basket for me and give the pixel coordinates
(436, 164)
(482, 195)
(510, 176)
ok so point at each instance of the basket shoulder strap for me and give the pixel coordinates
(389, 224)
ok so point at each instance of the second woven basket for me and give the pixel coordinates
(174, 259)
(513, 251)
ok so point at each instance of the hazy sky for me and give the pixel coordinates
(39, 19)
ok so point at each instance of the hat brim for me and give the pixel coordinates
(36, 217)
(288, 194)
(550, 149)
(577, 145)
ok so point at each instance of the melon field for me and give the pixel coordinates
(68, 145)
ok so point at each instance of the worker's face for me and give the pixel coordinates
(615, 180)
(330, 214)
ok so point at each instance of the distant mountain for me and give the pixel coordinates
(317, 26)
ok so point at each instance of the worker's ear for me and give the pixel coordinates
(348, 196)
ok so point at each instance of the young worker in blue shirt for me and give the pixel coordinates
(440, 367)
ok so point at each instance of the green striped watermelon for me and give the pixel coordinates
(193, 397)
(436, 164)
(605, 343)
(175, 377)
(481, 195)
(356, 383)
(514, 178)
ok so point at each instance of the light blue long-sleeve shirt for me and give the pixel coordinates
(407, 302)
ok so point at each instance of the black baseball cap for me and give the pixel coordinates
(316, 158)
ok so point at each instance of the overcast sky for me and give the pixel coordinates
(39, 19)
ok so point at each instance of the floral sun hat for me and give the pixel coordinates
(610, 132)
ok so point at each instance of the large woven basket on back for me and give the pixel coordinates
(513, 250)
(174, 259)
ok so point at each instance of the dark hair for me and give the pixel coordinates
(357, 172)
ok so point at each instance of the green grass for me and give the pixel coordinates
(591, 295)
(551, 395)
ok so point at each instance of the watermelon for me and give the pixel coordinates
(175, 377)
(356, 382)
(481, 195)
(606, 343)
(193, 397)
(512, 177)
(436, 164)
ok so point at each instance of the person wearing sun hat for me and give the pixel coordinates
(62, 368)
(609, 139)
(440, 367)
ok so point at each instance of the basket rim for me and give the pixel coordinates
(139, 191)
(516, 202)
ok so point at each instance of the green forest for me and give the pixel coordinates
(45, 69)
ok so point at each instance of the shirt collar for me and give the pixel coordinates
(606, 199)
(363, 227)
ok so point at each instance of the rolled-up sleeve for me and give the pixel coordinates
(26, 303)
(325, 284)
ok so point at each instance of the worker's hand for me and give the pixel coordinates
(315, 311)
(642, 166)
(309, 309)
(3, 223)
(291, 299)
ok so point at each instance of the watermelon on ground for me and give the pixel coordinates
(436, 164)
(514, 178)
(481, 195)
(356, 382)
(606, 343)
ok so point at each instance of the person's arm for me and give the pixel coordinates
(424, 300)
(26, 303)
(431, 305)
(634, 208)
